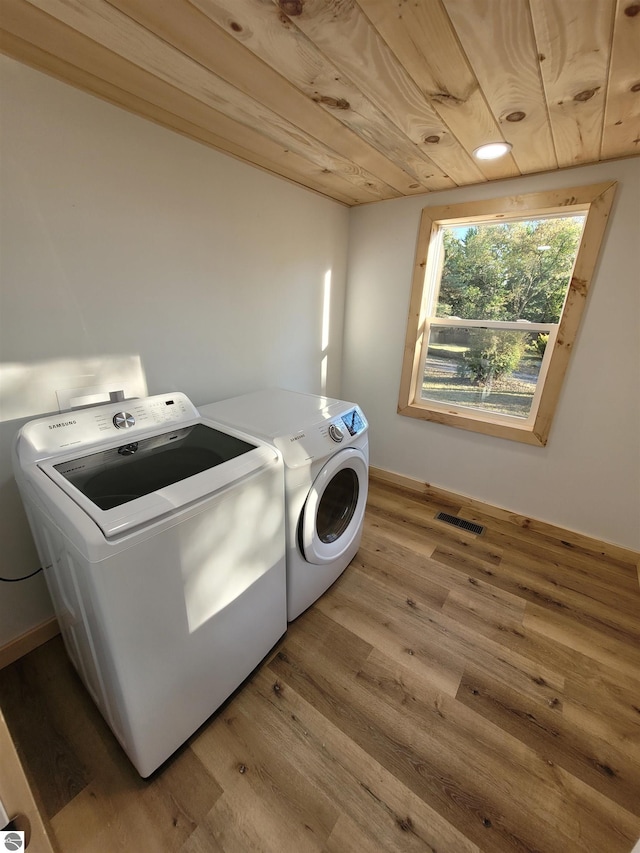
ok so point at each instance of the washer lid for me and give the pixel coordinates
(122, 487)
(115, 476)
(130, 463)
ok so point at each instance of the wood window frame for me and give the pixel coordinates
(595, 201)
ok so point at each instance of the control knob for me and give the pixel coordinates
(123, 420)
(335, 433)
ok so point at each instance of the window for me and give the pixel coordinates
(498, 291)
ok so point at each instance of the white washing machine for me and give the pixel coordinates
(162, 539)
(324, 443)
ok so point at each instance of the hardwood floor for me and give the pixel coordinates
(451, 693)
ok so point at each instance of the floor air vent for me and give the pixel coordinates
(460, 522)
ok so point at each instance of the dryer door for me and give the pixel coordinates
(333, 512)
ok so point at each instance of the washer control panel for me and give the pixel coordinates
(95, 424)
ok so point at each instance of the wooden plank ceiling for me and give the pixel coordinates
(359, 100)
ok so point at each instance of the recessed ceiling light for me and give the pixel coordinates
(492, 151)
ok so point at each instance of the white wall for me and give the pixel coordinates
(122, 239)
(587, 478)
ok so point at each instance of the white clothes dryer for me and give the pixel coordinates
(325, 447)
(161, 534)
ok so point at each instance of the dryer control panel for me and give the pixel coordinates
(349, 424)
(323, 437)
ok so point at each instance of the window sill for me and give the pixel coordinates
(481, 422)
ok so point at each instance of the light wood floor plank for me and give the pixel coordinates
(614, 652)
(378, 805)
(604, 766)
(465, 770)
(246, 758)
(520, 786)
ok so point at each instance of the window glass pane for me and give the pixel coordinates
(495, 370)
(508, 270)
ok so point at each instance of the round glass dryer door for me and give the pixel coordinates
(334, 509)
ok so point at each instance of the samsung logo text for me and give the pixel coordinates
(62, 424)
